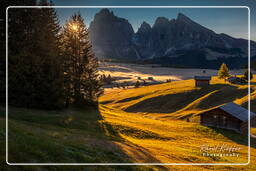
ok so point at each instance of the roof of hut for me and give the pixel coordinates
(202, 77)
(237, 111)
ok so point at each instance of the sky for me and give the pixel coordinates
(232, 21)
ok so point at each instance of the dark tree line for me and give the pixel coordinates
(49, 66)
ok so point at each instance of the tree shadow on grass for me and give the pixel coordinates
(74, 135)
(129, 150)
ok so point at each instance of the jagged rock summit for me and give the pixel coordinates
(111, 36)
(114, 37)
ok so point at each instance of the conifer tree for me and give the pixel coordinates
(223, 72)
(82, 82)
(51, 83)
(35, 73)
(20, 55)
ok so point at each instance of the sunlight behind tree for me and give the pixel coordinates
(74, 27)
(82, 83)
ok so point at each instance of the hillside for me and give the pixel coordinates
(177, 98)
(132, 125)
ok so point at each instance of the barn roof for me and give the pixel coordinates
(237, 111)
(202, 77)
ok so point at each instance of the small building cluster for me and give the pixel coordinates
(229, 116)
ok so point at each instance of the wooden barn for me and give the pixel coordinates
(201, 81)
(229, 116)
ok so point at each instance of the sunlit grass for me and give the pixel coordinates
(180, 140)
(170, 141)
(176, 97)
(253, 131)
(114, 134)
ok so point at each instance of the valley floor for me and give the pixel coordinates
(129, 73)
(139, 125)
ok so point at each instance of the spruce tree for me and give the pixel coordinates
(51, 83)
(20, 55)
(35, 70)
(82, 82)
(223, 72)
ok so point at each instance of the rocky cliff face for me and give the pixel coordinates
(113, 37)
(167, 37)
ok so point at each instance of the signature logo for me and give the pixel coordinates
(220, 150)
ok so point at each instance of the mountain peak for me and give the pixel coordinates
(145, 25)
(104, 13)
(114, 37)
(161, 21)
(182, 17)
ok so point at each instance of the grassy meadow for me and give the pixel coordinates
(142, 125)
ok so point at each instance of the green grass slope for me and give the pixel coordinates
(68, 136)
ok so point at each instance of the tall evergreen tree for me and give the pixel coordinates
(51, 83)
(19, 55)
(5, 4)
(35, 73)
(82, 83)
(223, 72)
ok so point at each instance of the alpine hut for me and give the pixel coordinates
(228, 116)
(201, 81)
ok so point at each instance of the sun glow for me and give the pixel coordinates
(74, 27)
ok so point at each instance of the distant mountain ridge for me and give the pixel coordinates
(176, 42)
